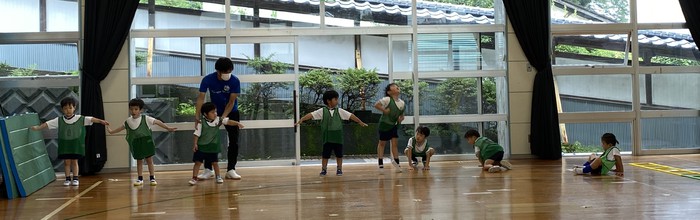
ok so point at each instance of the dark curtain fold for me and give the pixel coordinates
(531, 22)
(691, 12)
(107, 24)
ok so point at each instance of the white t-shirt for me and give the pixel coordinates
(53, 123)
(318, 114)
(386, 100)
(419, 147)
(613, 152)
(134, 123)
(198, 132)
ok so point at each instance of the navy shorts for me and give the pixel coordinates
(497, 157)
(388, 135)
(200, 156)
(337, 148)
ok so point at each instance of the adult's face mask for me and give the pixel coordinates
(226, 77)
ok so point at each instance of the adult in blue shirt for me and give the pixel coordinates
(223, 90)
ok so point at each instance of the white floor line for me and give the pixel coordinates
(70, 201)
(48, 199)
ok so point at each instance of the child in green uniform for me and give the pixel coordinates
(207, 140)
(392, 108)
(332, 127)
(605, 163)
(418, 147)
(140, 138)
(489, 153)
(71, 137)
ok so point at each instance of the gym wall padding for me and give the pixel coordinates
(29, 161)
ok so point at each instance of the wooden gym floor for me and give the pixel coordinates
(534, 189)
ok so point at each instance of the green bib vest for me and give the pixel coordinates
(209, 140)
(418, 153)
(388, 121)
(332, 127)
(140, 140)
(71, 137)
(607, 164)
(488, 147)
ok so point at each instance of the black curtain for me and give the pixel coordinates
(531, 21)
(107, 24)
(690, 9)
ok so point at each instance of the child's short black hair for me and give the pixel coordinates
(472, 133)
(328, 95)
(423, 130)
(388, 87)
(69, 101)
(137, 102)
(223, 64)
(609, 138)
(207, 107)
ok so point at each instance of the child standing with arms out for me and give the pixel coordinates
(71, 137)
(489, 153)
(605, 163)
(392, 108)
(418, 147)
(140, 138)
(207, 140)
(332, 127)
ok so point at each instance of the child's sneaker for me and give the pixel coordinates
(75, 183)
(231, 174)
(506, 164)
(138, 183)
(153, 182)
(66, 183)
(578, 170)
(415, 162)
(323, 173)
(206, 174)
(219, 179)
(339, 173)
(192, 182)
(494, 169)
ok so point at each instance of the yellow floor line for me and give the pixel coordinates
(669, 170)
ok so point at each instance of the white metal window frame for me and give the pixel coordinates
(272, 35)
(634, 116)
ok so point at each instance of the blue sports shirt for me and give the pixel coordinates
(220, 91)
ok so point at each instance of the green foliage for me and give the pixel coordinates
(489, 99)
(352, 82)
(5, 69)
(177, 3)
(141, 58)
(312, 86)
(24, 71)
(589, 51)
(486, 39)
(186, 109)
(257, 97)
(621, 55)
(577, 147)
(674, 61)
(73, 72)
(454, 95)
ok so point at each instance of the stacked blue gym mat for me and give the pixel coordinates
(25, 164)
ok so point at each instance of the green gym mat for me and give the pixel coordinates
(8, 178)
(29, 161)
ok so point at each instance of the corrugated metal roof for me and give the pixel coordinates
(425, 10)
